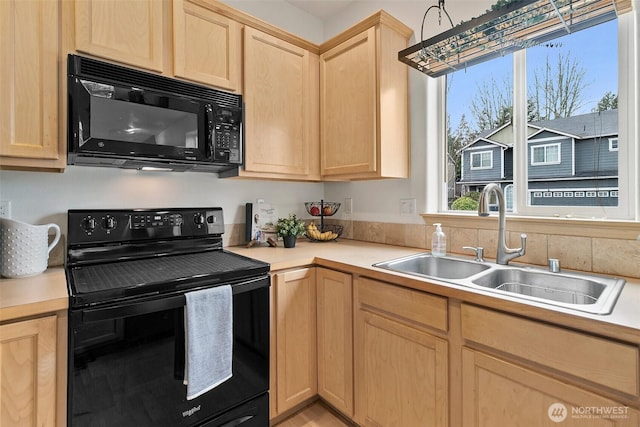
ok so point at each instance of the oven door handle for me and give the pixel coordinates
(147, 306)
(132, 309)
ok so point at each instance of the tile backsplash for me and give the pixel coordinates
(616, 256)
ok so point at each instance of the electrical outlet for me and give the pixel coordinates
(407, 207)
(5, 209)
(348, 205)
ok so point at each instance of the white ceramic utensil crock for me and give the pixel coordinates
(24, 248)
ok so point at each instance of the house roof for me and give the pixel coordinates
(583, 126)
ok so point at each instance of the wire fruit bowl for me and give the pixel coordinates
(323, 233)
(322, 208)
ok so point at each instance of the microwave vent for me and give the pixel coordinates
(110, 73)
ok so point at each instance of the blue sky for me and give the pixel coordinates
(595, 47)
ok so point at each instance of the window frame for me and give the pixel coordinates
(481, 167)
(629, 130)
(611, 144)
(546, 162)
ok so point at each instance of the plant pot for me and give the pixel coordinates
(289, 241)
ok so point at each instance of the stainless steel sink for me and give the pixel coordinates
(435, 267)
(584, 292)
(590, 293)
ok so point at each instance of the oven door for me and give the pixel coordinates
(117, 120)
(126, 364)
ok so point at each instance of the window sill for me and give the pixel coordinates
(602, 228)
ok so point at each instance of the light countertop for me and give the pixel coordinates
(357, 257)
(47, 292)
(35, 295)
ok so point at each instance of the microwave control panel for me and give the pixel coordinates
(226, 135)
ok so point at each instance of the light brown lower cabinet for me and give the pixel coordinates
(499, 393)
(391, 356)
(28, 372)
(294, 339)
(335, 339)
(401, 374)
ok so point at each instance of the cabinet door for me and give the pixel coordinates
(499, 393)
(401, 374)
(295, 305)
(281, 96)
(28, 373)
(130, 31)
(206, 46)
(29, 83)
(335, 339)
(348, 107)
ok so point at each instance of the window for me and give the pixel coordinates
(545, 154)
(482, 160)
(613, 144)
(509, 101)
(508, 197)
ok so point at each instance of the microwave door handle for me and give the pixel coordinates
(132, 309)
(210, 129)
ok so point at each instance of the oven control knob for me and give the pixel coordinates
(88, 224)
(109, 223)
(198, 219)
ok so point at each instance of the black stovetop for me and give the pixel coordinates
(114, 255)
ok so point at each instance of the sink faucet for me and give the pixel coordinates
(505, 254)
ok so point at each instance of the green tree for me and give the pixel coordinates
(464, 203)
(456, 140)
(609, 101)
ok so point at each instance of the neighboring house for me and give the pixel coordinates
(570, 162)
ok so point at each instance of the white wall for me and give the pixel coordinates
(39, 197)
(284, 16)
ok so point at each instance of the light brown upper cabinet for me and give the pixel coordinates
(281, 108)
(364, 102)
(130, 32)
(29, 85)
(207, 47)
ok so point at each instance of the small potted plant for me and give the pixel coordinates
(289, 229)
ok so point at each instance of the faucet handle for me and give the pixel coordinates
(523, 244)
(478, 250)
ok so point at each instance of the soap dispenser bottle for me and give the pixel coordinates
(438, 241)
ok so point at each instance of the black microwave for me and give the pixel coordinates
(121, 117)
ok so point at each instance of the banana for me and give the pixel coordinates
(312, 230)
(314, 233)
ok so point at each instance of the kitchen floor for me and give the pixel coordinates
(315, 415)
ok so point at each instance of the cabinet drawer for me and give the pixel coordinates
(601, 361)
(413, 307)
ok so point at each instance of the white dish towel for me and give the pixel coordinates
(208, 339)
